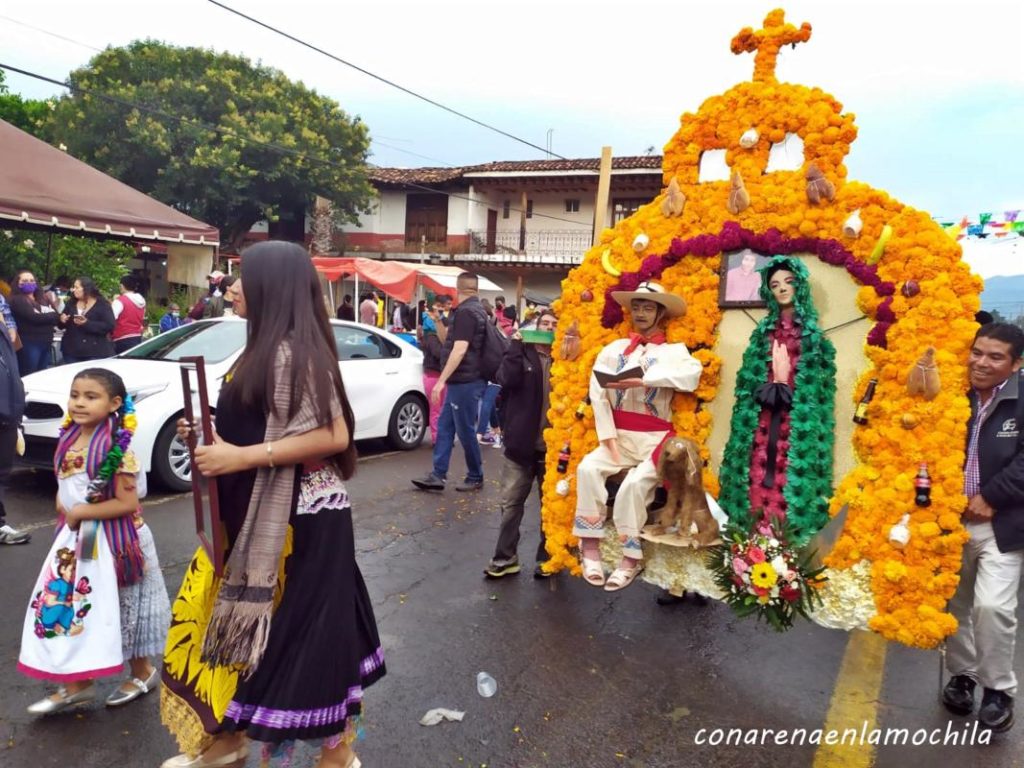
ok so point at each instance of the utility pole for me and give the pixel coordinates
(604, 181)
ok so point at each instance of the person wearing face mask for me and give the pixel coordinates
(171, 319)
(213, 280)
(633, 418)
(36, 321)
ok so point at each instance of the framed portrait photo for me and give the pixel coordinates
(739, 280)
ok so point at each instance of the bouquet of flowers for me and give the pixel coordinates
(761, 575)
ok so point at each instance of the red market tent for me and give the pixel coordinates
(44, 188)
(398, 279)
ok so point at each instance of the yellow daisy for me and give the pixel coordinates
(763, 575)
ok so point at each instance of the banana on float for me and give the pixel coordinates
(606, 262)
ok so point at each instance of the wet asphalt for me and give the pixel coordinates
(585, 678)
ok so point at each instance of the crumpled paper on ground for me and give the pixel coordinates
(435, 716)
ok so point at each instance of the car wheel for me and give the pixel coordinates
(171, 463)
(408, 423)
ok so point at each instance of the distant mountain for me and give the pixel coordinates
(1005, 294)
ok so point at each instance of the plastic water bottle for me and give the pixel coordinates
(486, 685)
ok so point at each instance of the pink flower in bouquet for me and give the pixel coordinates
(756, 555)
(83, 587)
(739, 565)
(40, 632)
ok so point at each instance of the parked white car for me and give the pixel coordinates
(383, 378)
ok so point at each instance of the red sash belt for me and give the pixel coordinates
(640, 422)
(644, 422)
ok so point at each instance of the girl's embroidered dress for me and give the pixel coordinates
(100, 597)
(323, 649)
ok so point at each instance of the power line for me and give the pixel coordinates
(51, 34)
(384, 80)
(195, 123)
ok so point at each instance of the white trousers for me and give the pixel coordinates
(635, 493)
(985, 605)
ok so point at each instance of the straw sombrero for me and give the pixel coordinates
(648, 291)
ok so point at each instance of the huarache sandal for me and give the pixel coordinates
(593, 573)
(622, 578)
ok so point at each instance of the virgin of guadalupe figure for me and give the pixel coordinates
(777, 469)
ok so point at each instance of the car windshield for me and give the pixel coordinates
(214, 341)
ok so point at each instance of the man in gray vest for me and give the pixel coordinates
(985, 603)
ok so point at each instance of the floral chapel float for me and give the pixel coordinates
(759, 170)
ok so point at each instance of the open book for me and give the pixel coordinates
(605, 376)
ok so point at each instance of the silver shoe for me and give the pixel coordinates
(234, 759)
(139, 688)
(50, 705)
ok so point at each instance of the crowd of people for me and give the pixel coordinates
(295, 655)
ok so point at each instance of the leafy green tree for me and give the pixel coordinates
(226, 174)
(50, 256)
(28, 114)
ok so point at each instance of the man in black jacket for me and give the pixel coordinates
(525, 379)
(985, 603)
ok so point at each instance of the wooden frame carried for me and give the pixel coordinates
(209, 528)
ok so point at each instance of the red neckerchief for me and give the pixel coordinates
(638, 340)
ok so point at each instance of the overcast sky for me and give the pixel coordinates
(938, 89)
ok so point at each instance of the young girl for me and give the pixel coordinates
(79, 625)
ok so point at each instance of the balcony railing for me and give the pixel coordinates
(557, 243)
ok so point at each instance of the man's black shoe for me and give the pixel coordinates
(429, 482)
(540, 573)
(958, 695)
(996, 711)
(470, 485)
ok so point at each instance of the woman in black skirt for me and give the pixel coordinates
(282, 647)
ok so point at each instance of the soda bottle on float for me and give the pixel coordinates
(923, 487)
(563, 459)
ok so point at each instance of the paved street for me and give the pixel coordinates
(584, 678)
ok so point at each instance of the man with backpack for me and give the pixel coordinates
(471, 356)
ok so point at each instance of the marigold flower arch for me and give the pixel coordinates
(915, 288)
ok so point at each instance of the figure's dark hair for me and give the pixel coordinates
(285, 303)
(347, 297)
(546, 311)
(467, 281)
(1008, 333)
(89, 287)
(62, 281)
(129, 282)
(226, 282)
(112, 383)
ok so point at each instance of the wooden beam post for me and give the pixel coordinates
(604, 182)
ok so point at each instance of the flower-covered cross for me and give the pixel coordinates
(768, 42)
